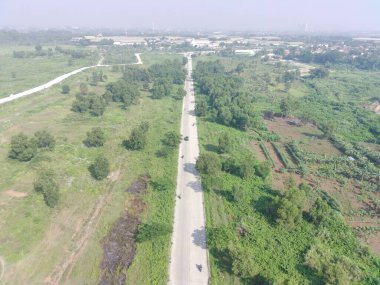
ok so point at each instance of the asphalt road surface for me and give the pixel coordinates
(55, 81)
(189, 259)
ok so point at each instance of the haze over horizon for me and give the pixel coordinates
(239, 15)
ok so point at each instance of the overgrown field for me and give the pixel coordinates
(300, 166)
(65, 243)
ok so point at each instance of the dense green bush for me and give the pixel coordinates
(171, 139)
(121, 91)
(161, 88)
(290, 207)
(95, 137)
(225, 143)
(47, 185)
(230, 105)
(44, 140)
(100, 168)
(208, 163)
(138, 137)
(22, 148)
(65, 89)
(91, 103)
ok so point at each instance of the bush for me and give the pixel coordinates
(263, 169)
(47, 185)
(339, 270)
(290, 207)
(89, 103)
(95, 138)
(320, 211)
(122, 91)
(44, 140)
(208, 163)
(225, 143)
(180, 93)
(65, 89)
(138, 138)
(161, 88)
(100, 168)
(22, 148)
(171, 139)
(201, 108)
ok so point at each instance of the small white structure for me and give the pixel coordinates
(249, 52)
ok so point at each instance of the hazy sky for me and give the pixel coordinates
(254, 15)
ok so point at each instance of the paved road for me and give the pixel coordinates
(189, 240)
(56, 81)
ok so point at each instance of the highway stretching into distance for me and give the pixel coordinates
(189, 259)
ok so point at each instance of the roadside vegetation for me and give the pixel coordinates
(276, 202)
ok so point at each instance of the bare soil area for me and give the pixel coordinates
(16, 194)
(114, 176)
(257, 151)
(309, 135)
(277, 162)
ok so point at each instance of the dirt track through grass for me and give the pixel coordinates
(2, 268)
(79, 240)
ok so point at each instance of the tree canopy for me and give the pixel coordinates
(47, 185)
(95, 137)
(22, 148)
(100, 168)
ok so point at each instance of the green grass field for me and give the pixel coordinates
(36, 240)
(20, 74)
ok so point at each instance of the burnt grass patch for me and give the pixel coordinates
(140, 185)
(119, 246)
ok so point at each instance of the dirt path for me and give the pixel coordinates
(2, 268)
(80, 239)
(57, 80)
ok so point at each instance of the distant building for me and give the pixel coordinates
(249, 52)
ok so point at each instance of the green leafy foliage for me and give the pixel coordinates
(338, 270)
(100, 168)
(138, 137)
(171, 139)
(123, 91)
(225, 143)
(231, 105)
(161, 88)
(180, 93)
(208, 163)
(22, 148)
(47, 185)
(44, 140)
(170, 70)
(251, 225)
(95, 138)
(201, 108)
(91, 103)
(65, 89)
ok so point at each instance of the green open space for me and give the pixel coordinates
(313, 141)
(20, 74)
(36, 240)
